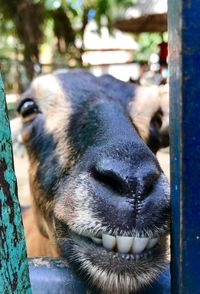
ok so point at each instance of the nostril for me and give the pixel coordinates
(148, 182)
(112, 179)
(132, 182)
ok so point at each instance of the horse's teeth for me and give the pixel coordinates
(124, 244)
(96, 240)
(139, 244)
(109, 242)
(152, 243)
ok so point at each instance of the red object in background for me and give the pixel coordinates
(163, 53)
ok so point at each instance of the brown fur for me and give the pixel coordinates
(36, 243)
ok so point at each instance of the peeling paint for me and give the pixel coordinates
(14, 274)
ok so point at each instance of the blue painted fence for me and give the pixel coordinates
(184, 49)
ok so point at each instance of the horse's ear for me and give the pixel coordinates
(158, 133)
(149, 111)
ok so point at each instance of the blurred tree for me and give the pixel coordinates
(75, 15)
(25, 21)
(148, 43)
(27, 18)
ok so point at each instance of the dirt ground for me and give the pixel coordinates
(21, 169)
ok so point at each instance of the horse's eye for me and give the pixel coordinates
(28, 109)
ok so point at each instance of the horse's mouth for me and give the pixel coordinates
(107, 248)
(118, 264)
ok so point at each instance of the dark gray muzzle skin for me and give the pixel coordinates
(125, 179)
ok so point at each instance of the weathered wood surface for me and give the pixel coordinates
(14, 274)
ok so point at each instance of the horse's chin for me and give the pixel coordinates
(109, 270)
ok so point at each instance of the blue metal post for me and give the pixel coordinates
(184, 54)
(14, 274)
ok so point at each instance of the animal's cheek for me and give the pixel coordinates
(73, 204)
(26, 134)
(64, 209)
(64, 203)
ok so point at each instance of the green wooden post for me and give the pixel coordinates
(14, 274)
